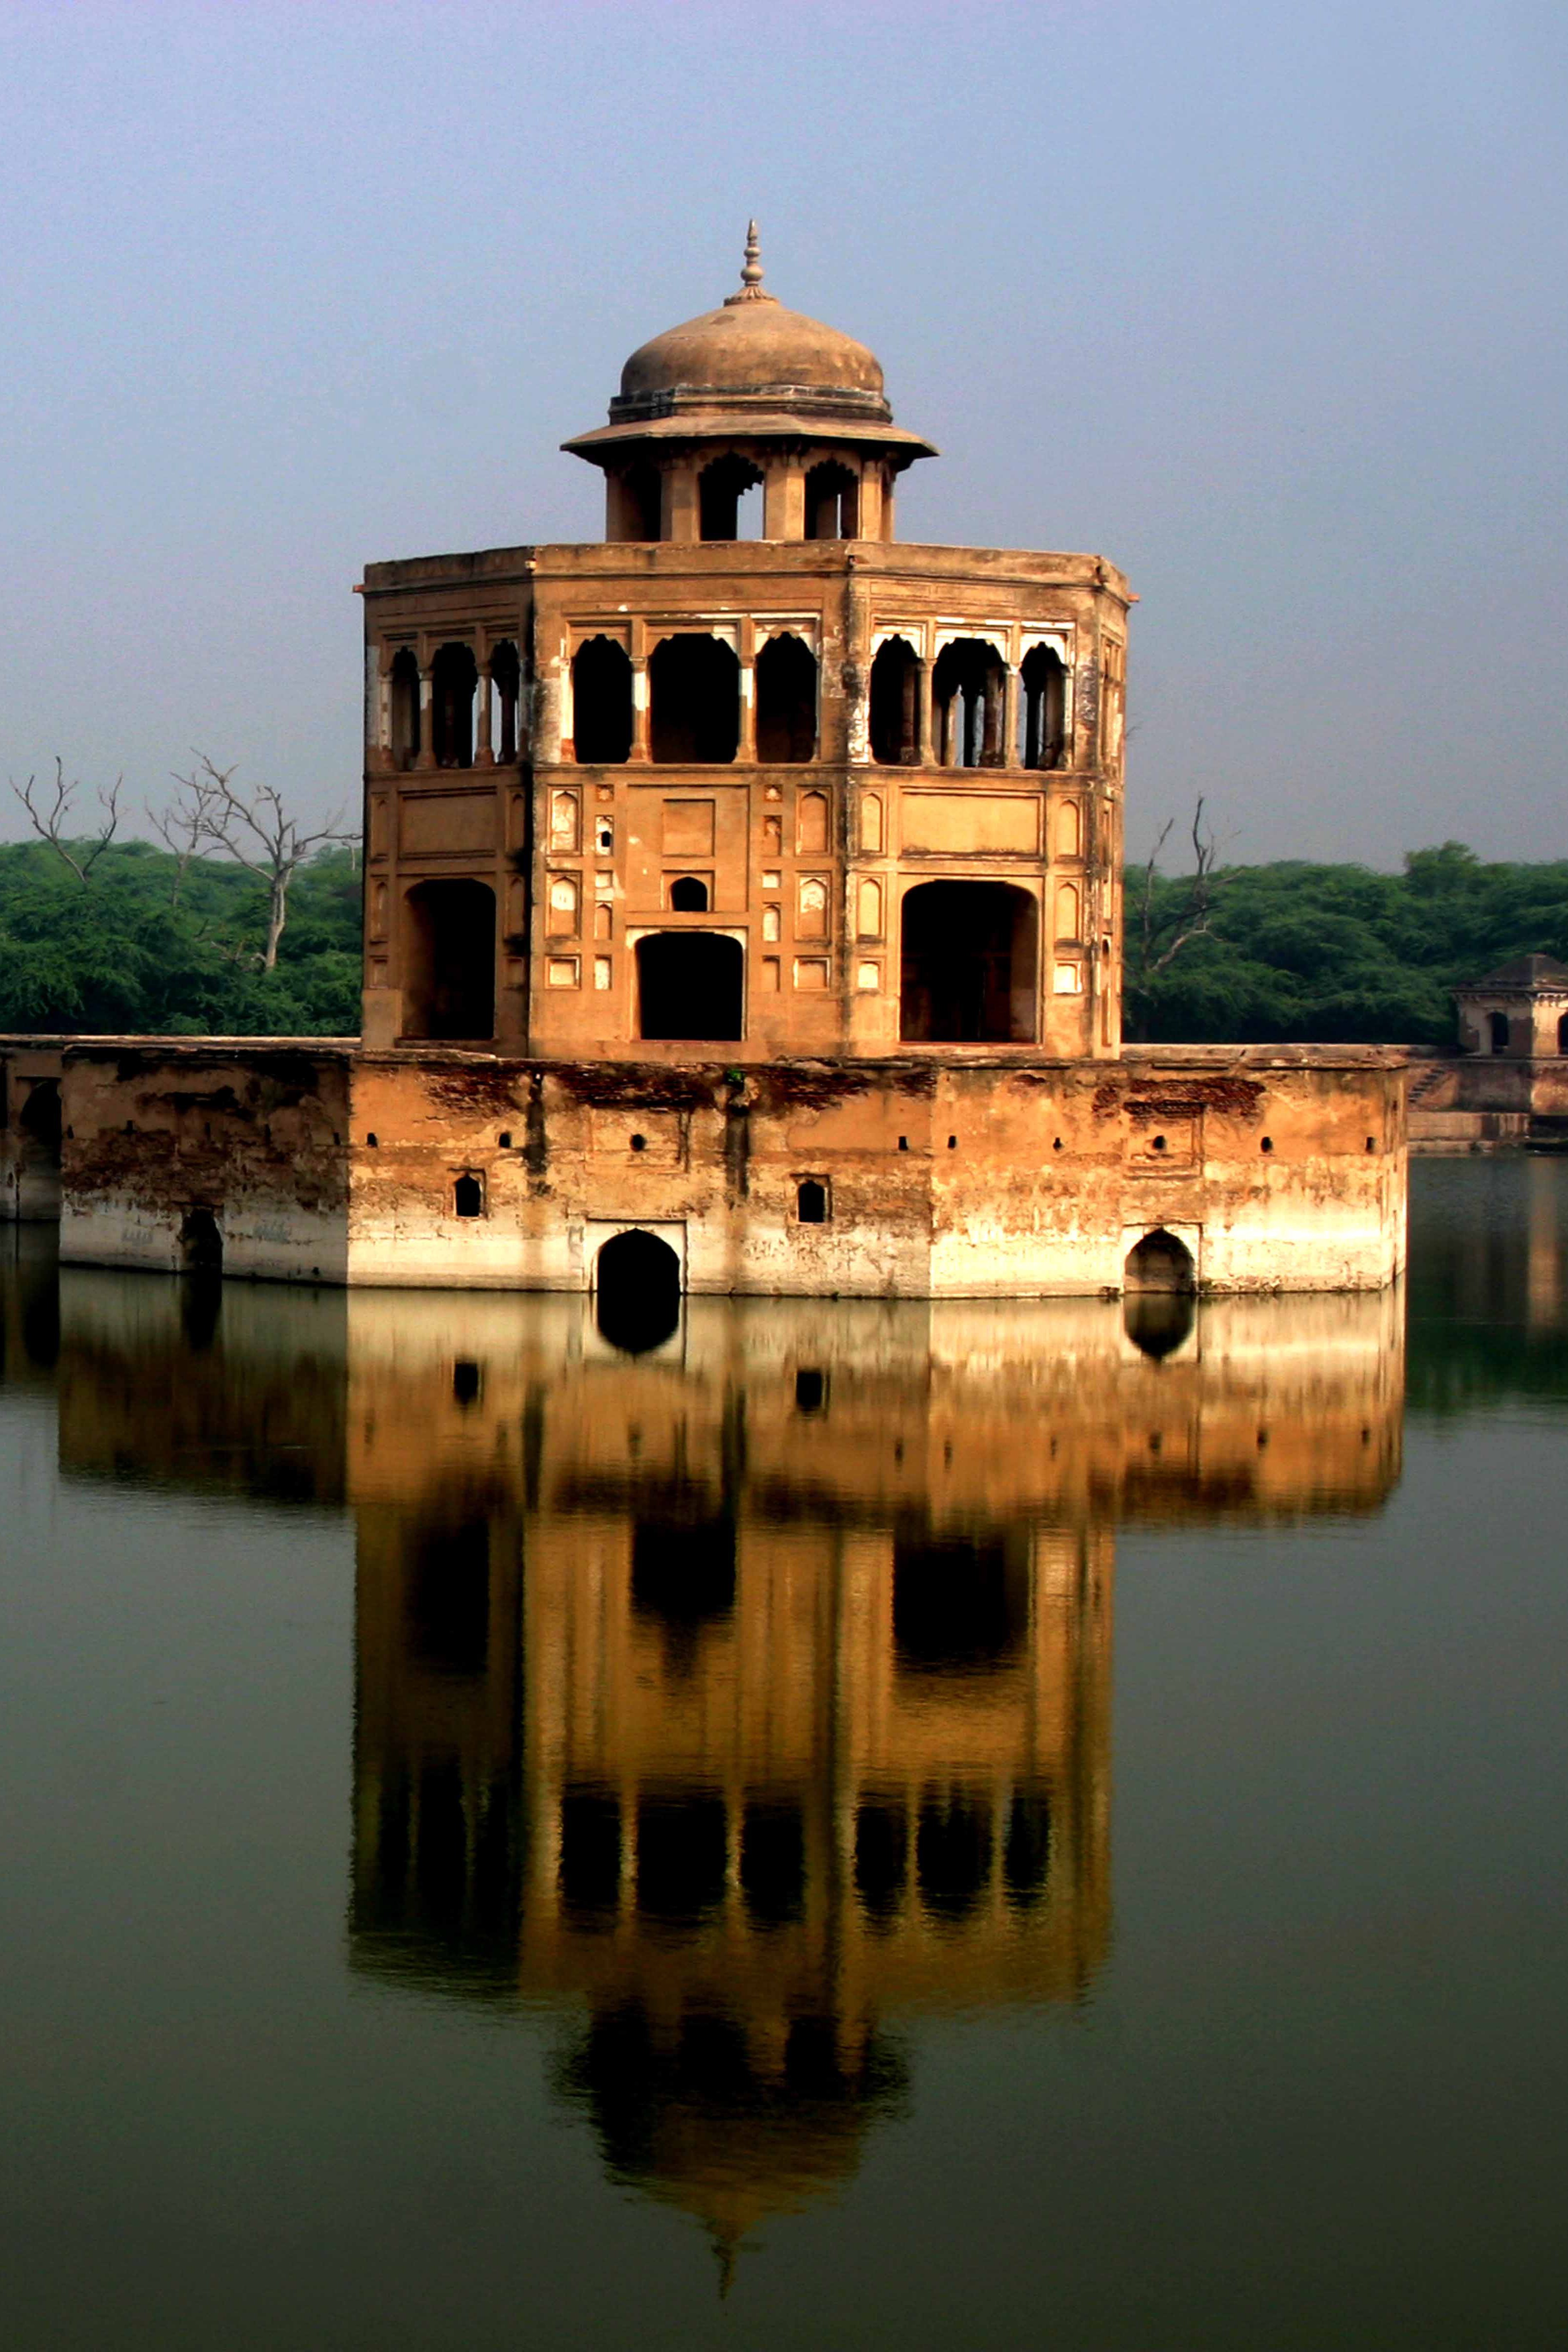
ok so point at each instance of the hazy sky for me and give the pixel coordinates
(1265, 303)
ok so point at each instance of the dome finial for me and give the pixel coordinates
(751, 273)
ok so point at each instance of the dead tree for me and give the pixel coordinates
(252, 826)
(1160, 929)
(182, 829)
(49, 823)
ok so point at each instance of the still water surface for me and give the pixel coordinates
(859, 1826)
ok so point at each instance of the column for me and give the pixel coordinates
(484, 754)
(426, 758)
(1010, 719)
(784, 499)
(927, 754)
(638, 755)
(679, 516)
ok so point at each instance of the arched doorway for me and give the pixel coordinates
(449, 984)
(637, 1282)
(694, 701)
(201, 1243)
(969, 964)
(690, 985)
(1160, 1261)
(1157, 1321)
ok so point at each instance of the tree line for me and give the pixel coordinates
(237, 922)
(1301, 953)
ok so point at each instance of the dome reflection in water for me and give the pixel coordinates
(740, 1731)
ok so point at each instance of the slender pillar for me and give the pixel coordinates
(638, 755)
(1010, 757)
(427, 718)
(928, 752)
(484, 754)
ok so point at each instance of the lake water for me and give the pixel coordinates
(859, 1825)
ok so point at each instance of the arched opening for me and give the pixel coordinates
(1027, 1848)
(787, 700)
(969, 685)
(832, 503)
(453, 678)
(969, 964)
(636, 1283)
(811, 1203)
(1043, 709)
(773, 1863)
(1562, 1035)
(506, 681)
(468, 1197)
(201, 1243)
(958, 1608)
(1158, 1321)
(642, 504)
(881, 1855)
(689, 896)
(405, 710)
(690, 985)
(952, 1852)
(450, 961)
(896, 705)
(1497, 1030)
(694, 691)
(589, 1868)
(602, 703)
(40, 1117)
(1160, 1262)
(729, 497)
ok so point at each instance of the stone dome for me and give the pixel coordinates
(751, 349)
(750, 346)
(750, 370)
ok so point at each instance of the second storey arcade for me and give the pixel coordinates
(805, 791)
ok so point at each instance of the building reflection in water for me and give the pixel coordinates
(746, 1697)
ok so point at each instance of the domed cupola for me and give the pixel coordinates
(751, 392)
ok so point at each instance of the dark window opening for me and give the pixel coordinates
(1027, 1848)
(453, 678)
(896, 705)
(1562, 1047)
(449, 962)
(786, 701)
(683, 1578)
(680, 1858)
(602, 703)
(1267, 1144)
(694, 690)
(506, 678)
(466, 1383)
(690, 985)
(449, 1599)
(969, 964)
(201, 1243)
(637, 1292)
(952, 1855)
(689, 896)
(811, 1203)
(1042, 709)
(405, 710)
(810, 1390)
(728, 494)
(589, 1871)
(468, 1197)
(1497, 1025)
(881, 1856)
(958, 1607)
(773, 1863)
(832, 503)
(969, 685)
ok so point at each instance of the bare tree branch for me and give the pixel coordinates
(49, 823)
(1162, 931)
(251, 826)
(182, 829)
